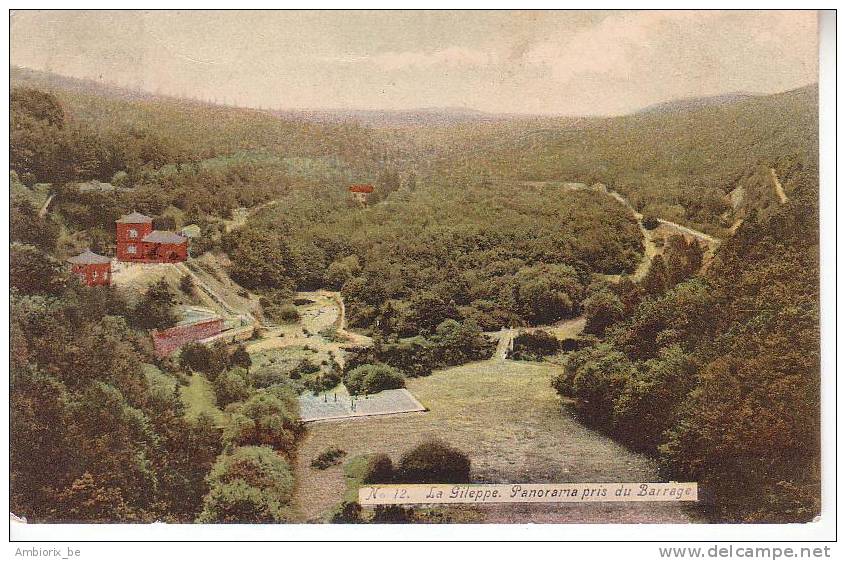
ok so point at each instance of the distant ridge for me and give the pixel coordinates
(693, 103)
(400, 117)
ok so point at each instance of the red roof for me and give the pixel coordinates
(361, 188)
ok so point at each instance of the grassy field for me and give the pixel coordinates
(198, 397)
(505, 416)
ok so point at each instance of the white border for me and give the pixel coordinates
(822, 530)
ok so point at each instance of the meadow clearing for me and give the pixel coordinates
(507, 418)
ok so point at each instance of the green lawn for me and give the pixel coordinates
(507, 418)
(199, 397)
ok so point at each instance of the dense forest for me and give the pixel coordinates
(712, 367)
(678, 165)
(719, 374)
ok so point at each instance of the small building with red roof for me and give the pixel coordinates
(91, 268)
(360, 191)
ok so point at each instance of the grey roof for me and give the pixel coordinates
(163, 236)
(88, 257)
(191, 231)
(134, 218)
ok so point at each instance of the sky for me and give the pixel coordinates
(539, 62)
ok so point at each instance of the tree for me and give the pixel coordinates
(241, 358)
(253, 484)
(650, 222)
(260, 259)
(655, 282)
(267, 418)
(602, 309)
(373, 378)
(342, 270)
(155, 310)
(32, 271)
(240, 503)
(458, 343)
(547, 293)
(210, 360)
(231, 386)
(186, 284)
(28, 228)
(433, 461)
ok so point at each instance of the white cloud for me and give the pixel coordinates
(617, 46)
(452, 57)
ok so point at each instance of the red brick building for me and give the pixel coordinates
(91, 268)
(168, 341)
(138, 242)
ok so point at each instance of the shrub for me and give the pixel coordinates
(269, 376)
(434, 462)
(231, 386)
(602, 309)
(241, 358)
(305, 366)
(201, 358)
(279, 312)
(238, 503)
(269, 417)
(534, 345)
(414, 356)
(186, 284)
(650, 222)
(348, 512)
(380, 469)
(323, 382)
(373, 378)
(251, 484)
(257, 466)
(392, 514)
(329, 457)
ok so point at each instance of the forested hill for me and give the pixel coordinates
(180, 161)
(718, 375)
(680, 166)
(193, 130)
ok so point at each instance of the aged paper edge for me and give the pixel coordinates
(527, 493)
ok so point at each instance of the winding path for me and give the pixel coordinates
(782, 197)
(42, 212)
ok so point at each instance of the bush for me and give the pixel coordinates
(324, 381)
(305, 366)
(534, 345)
(380, 469)
(269, 417)
(202, 358)
(348, 512)
(186, 284)
(602, 309)
(329, 457)
(253, 484)
(279, 312)
(650, 222)
(373, 378)
(392, 514)
(231, 386)
(239, 503)
(269, 376)
(433, 462)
